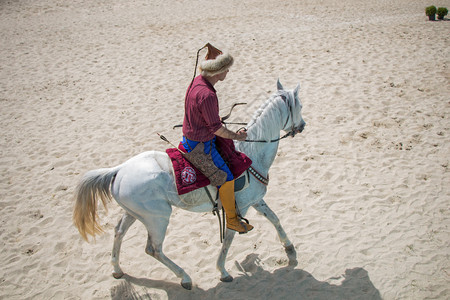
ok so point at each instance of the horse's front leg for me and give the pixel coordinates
(229, 236)
(121, 229)
(262, 208)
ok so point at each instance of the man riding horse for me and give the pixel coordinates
(202, 124)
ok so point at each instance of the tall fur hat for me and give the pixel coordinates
(215, 61)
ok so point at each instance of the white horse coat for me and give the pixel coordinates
(144, 187)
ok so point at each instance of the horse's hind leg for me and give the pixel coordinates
(121, 229)
(262, 208)
(156, 227)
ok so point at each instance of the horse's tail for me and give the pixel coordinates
(94, 185)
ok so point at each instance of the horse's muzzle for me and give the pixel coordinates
(301, 127)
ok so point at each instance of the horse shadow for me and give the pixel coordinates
(256, 283)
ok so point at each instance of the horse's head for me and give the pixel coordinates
(294, 121)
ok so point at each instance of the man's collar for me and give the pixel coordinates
(203, 79)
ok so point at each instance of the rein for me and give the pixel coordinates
(291, 133)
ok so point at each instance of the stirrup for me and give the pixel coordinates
(241, 218)
(247, 230)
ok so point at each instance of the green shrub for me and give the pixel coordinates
(430, 10)
(441, 12)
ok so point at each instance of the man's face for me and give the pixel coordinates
(223, 75)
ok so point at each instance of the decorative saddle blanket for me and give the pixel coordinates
(189, 178)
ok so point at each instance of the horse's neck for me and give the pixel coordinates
(263, 156)
(265, 128)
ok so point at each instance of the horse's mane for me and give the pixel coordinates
(267, 119)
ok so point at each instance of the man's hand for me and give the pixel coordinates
(242, 135)
(228, 134)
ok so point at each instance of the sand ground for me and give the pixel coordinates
(363, 192)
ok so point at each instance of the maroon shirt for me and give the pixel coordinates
(201, 111)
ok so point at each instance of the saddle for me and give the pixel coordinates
(189, 177)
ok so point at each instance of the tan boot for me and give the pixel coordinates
(226, 194)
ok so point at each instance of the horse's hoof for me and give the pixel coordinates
(187, 285)
(292, 255)
(229, 278)
(117, 275)
(290, 249)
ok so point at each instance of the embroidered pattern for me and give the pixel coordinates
(188, 175)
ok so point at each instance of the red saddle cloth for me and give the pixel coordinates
(189, 178)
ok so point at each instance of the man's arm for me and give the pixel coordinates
(228, 134)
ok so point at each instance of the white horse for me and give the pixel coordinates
(144, 187)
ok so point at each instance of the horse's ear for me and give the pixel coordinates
(297, 88)
(279, 86)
